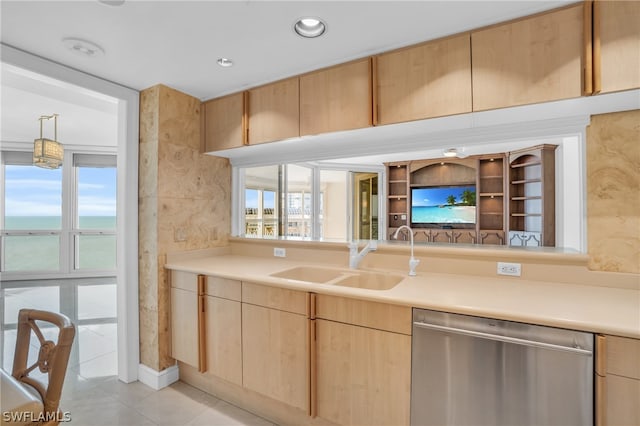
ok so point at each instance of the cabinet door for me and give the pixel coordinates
(224, 339)
(536, 59)
(335, 99)
(184, 326)
(273, 112)
(363, 375)
(224, 123)
(618, 367)
(617, 35)
(622, 399)
(275, 354)
(428, 80)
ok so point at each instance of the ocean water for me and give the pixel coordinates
(42, 252)
(446, 214)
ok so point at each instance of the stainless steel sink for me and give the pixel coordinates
(370, 280)
(310, 274)
(367, 280)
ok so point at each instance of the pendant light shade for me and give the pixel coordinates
(48, 153)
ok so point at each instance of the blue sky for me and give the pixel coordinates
(251, 198)
(426, 197)
(33, 191)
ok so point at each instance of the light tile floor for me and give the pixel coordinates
(107, 401)
(92, 394)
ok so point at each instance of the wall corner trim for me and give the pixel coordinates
(157, 379)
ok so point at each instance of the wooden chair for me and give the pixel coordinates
(53, 358)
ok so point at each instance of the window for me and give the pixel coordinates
(58, 221)
(298, 201)
(95, 219)
(32, 215)
(260, 209)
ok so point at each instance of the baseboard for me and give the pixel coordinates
(157, 379)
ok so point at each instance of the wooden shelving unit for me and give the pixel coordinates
(397, 195)
(532, 196)
(491, 199)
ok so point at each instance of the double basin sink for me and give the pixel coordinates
(341, 277)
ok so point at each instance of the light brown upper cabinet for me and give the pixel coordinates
(616, 46)
(273, 112)
(536, 59)
(337, 98)
(224, 122)
(428, 80)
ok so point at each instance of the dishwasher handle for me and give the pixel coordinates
(506, 339)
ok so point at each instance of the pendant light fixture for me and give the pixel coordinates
(48, 153)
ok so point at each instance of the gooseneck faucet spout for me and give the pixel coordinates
(355, 257)
(413, 262)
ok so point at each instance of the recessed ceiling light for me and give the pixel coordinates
(310, 27)
(225, 62)
(83, 47)
(112, 2)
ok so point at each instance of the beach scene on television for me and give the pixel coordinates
(450, 204)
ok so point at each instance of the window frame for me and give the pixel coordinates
(68, 265)
(238, 223)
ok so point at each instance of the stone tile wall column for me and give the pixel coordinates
(613, 192)
(184, 204)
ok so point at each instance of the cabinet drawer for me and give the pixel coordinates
(184, 280)
(282, 299)
(381, 316)
(623, 357)
(224, 288)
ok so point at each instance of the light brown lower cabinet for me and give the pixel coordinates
(363, 375)
(185, 317)
(275, 344)
(617, 381)
(223, 328)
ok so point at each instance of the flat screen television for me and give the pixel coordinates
(444, 206)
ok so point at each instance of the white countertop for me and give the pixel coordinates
(591, 308)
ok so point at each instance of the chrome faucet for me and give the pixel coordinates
(413, 262)
(355, 257)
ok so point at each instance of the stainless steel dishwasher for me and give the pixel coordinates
(470, 370)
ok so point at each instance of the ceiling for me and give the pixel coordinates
(177, 43)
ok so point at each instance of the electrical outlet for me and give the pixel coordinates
(511, 269)
(279, 252)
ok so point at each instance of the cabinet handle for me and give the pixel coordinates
(374, 91)
(588, 47)
(505, 339)
(313, 370)
(202, 334)
(597, 65)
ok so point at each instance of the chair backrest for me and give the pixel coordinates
(52, 358)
